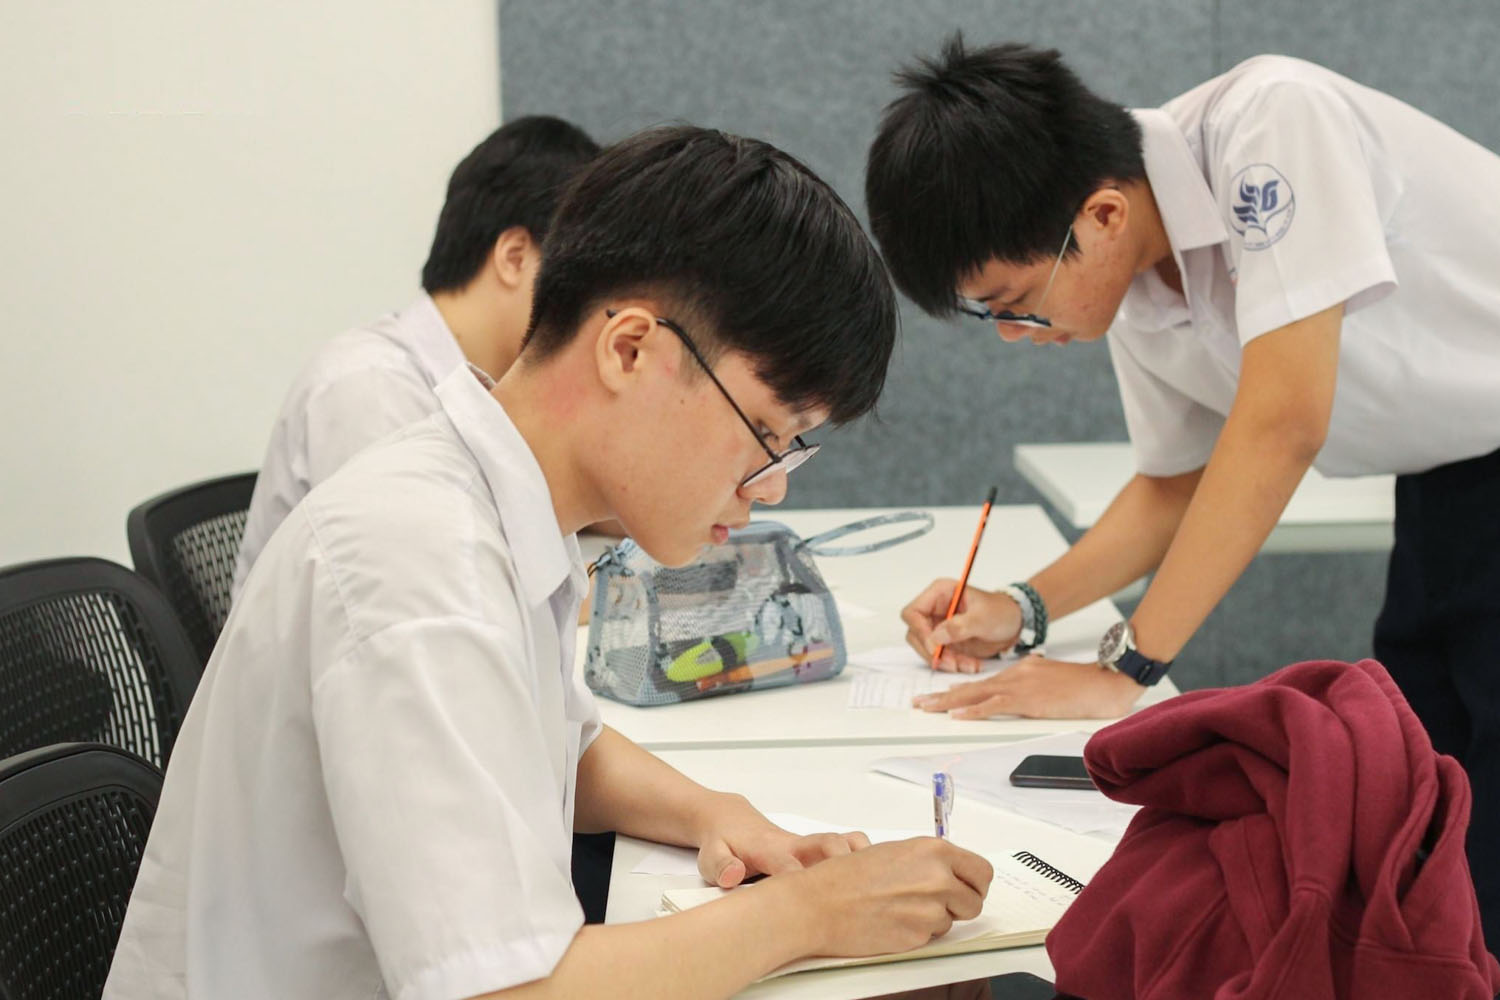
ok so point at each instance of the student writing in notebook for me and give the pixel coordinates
(375, 787)
(475, 304)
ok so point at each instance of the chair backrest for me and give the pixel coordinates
(73, 825)
(91, 652)
(186, 542)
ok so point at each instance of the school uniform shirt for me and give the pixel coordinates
(1286, 189)
(359, 387)
(373, 792)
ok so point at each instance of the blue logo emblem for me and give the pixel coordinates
(1263, 205)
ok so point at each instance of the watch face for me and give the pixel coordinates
(1113, 644)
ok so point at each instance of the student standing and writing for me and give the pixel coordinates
(1294, 270)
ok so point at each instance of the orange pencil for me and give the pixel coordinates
(750, 671)
(963, 581)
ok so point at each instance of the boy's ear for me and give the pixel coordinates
(514, 257)
(1107, 209)
(621, 347)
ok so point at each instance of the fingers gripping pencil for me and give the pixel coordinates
(963, 580)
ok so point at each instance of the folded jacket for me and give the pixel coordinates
(1299, 838)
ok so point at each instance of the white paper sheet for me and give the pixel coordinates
(889, 690)
(985, 775)
(887, 659)
(891, 676)
(849, 611)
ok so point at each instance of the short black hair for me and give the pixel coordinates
(512, 178)
(988, 154)
(746, 246)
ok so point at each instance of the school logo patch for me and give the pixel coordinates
(1263, 205)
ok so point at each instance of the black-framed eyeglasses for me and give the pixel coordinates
(786, 461)
(981, 311)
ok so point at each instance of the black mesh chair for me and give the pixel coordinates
(186, 542)
(73, 825)
(90, 652)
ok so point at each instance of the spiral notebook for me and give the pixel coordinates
(1026, 898)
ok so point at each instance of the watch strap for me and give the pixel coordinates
(1141, 668)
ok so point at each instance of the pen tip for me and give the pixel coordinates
(990, 499)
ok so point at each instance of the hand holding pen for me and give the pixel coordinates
(942, 803)
(963, 580)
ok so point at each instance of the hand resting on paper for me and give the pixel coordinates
(1039, 688)
(738, 841)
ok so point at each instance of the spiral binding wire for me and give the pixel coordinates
(1041, 867)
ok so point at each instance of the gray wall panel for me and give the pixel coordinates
(813, 78)
(1443, 56)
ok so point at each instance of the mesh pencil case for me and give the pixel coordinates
(751, 613)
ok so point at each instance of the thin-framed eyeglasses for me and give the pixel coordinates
(785, 461)
(981, 311)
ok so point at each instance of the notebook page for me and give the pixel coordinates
(1023, 899)
(1020, 908)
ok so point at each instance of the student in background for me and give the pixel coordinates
(476, 301)
(1293, 270)
(375, 786)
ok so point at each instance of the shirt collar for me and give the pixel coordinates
(430, 340)
(545, 559)
(1187, 206)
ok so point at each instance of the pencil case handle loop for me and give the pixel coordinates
(818, 544)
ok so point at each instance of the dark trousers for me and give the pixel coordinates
(593, 856)
(1439, 636)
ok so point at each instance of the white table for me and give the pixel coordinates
(1018, 541)
(1324, 515)
(834, 783)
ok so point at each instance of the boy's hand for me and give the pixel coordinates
(890, 897)
(985, 625)
(738, 841)
(1039, 688)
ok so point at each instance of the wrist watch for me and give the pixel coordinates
(1117, 652)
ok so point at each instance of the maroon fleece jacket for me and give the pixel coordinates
(1299, 838)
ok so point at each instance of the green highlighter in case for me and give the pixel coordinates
(712, 656)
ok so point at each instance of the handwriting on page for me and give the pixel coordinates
(897, 690)
(891, 676)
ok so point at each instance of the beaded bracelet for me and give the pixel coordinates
(1033, 616)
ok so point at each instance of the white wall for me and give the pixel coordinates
(192, 196)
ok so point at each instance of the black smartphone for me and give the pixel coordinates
(1049, 771)
(1021, 986)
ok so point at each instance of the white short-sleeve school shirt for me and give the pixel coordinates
(1286, 189)
(373, 792)
(359, 387)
